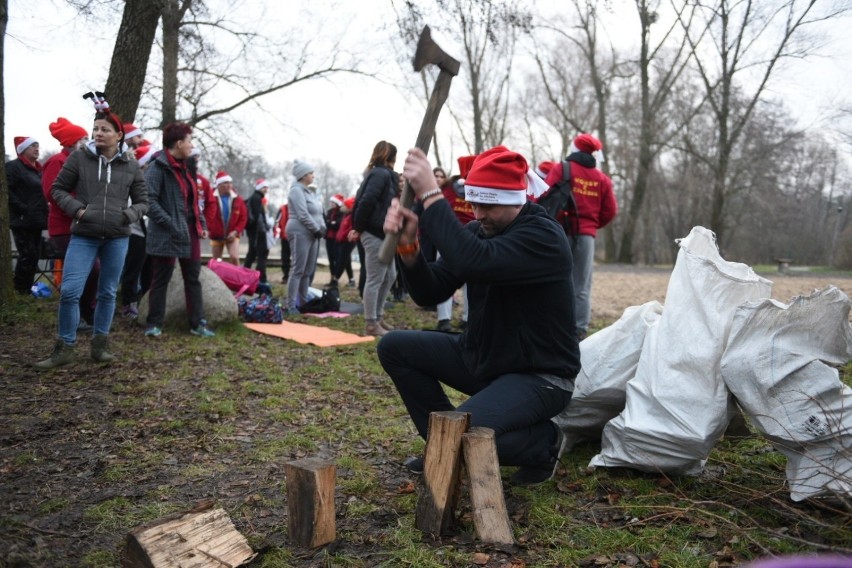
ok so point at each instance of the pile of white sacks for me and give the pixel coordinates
(659, 386)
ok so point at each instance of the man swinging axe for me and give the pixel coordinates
(519, 355)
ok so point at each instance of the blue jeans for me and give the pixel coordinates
(79, 259)
(518, 407)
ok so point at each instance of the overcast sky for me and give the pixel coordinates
(52, 57)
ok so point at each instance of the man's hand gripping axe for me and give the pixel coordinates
(428, 52)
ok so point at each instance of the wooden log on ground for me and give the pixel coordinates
(490, 517)
(201, 537)
(441, 468)
(310, 502)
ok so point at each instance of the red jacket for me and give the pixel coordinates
(462, 209)
(596, 205)
(213, 214)
(342, 235)
(58, 223)
(283, 217)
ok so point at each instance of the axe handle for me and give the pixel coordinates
(424, 140)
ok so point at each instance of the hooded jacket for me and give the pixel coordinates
(88, 180)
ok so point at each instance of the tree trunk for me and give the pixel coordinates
(6, 291)
(172, 16)
(130, 56)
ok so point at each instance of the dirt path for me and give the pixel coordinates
(616, 287)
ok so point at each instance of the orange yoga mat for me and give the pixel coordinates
(302, 333)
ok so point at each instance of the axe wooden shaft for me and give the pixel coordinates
(424, 140)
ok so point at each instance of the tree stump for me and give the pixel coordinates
(490, 518)
(198, 538)
(441, 467)
(310, 502)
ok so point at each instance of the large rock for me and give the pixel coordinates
(219, 302)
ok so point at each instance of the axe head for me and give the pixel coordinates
(429, 52)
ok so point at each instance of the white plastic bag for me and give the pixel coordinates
(779, 364)
(609, 358)
(677, 405)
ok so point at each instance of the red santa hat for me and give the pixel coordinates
(465, 162)
(131, 130)
(222, 177)
(587, 143)
(337, 199)
(349, 202)
(144, 153)
(544, 168)
(498, 177)
(260, 184)
(67, 133)
(24, 142)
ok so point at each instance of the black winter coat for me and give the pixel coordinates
(373, 200)
(27, 205)
(168, 216)
(521, 317)
(102, 188)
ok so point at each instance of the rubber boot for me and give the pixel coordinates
(100, 352)
(62, 355)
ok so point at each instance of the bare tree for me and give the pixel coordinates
(579, 94)
(653, 95)
(130, 55)
(737, 49)
(487, 32)
(6, 289)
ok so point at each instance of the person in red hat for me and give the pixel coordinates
(453, 191)
(596, 208)
(133, 136)
(343, 245)
(256, 228)
(226, 219)
(333, 217)
(27, 210)
(519, 355)
(71, 137)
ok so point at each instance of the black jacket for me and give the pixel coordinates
(27, 205)
(373, 199)
(521, 316)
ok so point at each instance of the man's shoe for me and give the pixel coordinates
(445, 325)
(533, 475)
(62, 355)
(201, 330)
(414, 465)
(100, 351)
(83, 325)
(373, 328)
(153, 331)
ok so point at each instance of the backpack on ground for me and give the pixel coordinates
(558, 202)
(261, 309)
(328, 302)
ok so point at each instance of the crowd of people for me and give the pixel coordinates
(118, 212)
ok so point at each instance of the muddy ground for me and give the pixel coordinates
(62, 443)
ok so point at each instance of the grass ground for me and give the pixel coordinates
(89, 452)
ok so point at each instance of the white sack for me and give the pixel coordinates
(677, 405)
(609, 358)
(779, 364)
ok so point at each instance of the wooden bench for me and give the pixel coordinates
(783, 264)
